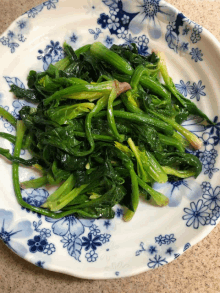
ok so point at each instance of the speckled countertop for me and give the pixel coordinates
(198, 270)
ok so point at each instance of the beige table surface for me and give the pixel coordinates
(198, 270)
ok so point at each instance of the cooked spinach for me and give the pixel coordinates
(104, 128)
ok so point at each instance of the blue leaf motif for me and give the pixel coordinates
(91, 31)
(39, 8)
(14, 80)
(176, 255)
(74, 248)
(110, 3)
(35, 224)
(171, 38)
(12, 46)
(186, 246)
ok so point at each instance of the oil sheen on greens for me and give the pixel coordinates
(103, 129)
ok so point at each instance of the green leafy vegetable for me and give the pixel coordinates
(104, 129)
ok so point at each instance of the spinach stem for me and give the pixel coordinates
(6, 115)
(110, 116)
(34, 183)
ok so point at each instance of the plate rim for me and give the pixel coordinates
(213, 41)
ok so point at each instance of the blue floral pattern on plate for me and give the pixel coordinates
(94, 243)
(182, 34)
(51, 54)
(14, 38)
(39, 243)
(74, 236)
(156, 256)
(11, 233)
(205, 211)
(50, 4)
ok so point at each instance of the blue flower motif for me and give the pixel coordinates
(196, 214)
(45, 233)
(90, 242)
(10, 234)
(40, 264)
(196, 90)
(11, 34)
(50, 4)
(196, 54)
(114, 11)
(195, 37)
(153, 12)
(160, 240)
(167, 239)
(125, 19)
(208, 141)
(215, 215)
(184, 47)
(37, 244)
(156, 262)
(94, 230)
(103, 20)
(130, 40)
(73, 38)
(206, 186)
(143, 50)
(113, 23)
(52, 53)
(215, 126)
(212, 198)
(152, 249)
(107, 223)
(169, 251)
(22, 24)
(171, 26)
(170, 239)
(183, 88)
(105, 238)
(49, 249)
(91, 256)
(36, 197)
(143, 41)
(119, 213)
(185, 30)
(198, 29)
(4, 41)
(175, 190)
(109, 41)
(121, 33)
(208, 159)
(54, 47)
(69, 224)
(67, 240)
(34, 11)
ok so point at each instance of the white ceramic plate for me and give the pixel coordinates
(103, 249)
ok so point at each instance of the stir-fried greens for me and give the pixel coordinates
(104, 129)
